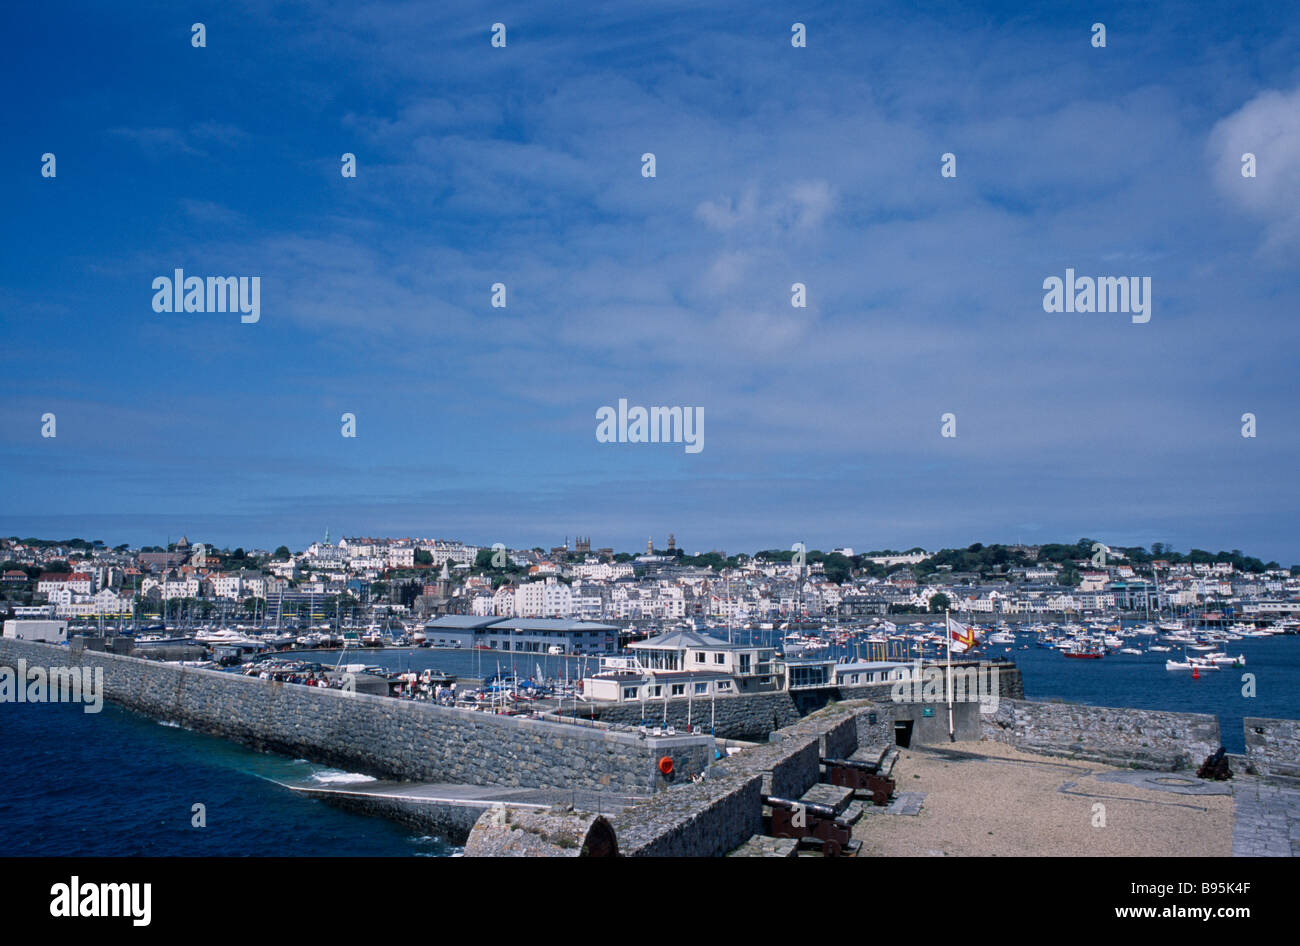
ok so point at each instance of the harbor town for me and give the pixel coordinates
(805, 676)
(629, 628)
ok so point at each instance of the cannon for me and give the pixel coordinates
(860, 776)
(1216, 766)
(808, 820)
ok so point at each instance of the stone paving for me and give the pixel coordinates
(906, 803)
(1166, 782)
(762, 846)
(1266, 820)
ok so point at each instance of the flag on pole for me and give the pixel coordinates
(961, 637)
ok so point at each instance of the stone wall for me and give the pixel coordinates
(1273, 746)
(1124, 737)
(871, 734)
(840, 740)
(388, 738)
(747, 716)
(704, 819)
(723, 811)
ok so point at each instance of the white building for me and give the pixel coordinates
(549, 599)
(400, 556)
(52, 632)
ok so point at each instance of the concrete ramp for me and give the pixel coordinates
(449, 810)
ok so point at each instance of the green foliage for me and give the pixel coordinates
(977, 558)
(709, 559)
(839, 568)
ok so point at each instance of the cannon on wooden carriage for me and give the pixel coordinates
(1216, 766)
(860, 776)
(809, 821)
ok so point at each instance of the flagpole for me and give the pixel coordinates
(948, 627)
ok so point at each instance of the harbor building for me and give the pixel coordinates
(684, 665)
(526, 635)
(689, 664)
(687, 652)
(49, 632)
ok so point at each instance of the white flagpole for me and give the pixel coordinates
(948, 627)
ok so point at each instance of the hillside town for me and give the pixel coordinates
(366, 579)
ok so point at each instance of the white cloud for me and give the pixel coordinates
(1268, 126)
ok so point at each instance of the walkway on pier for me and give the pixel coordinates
(1266, 819)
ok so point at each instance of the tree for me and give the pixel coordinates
(423, 557)
(939, 602)
(838, 568)
(282, 553)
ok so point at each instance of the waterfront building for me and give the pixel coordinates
(522, 635)
(625, 680)
(51, 632)
(685, 663)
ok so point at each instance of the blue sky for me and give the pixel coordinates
(775, 165)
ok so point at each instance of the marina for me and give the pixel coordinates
(1138, 663)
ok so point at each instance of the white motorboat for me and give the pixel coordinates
(1226, 660)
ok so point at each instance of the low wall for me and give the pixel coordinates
(874, 724)
(1273, 746)
(388, 738)
(1135, 738)
(720, 813)
(747, 716)
(705, 819)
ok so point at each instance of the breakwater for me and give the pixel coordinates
(387, 738)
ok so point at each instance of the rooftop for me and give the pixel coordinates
(689, 640)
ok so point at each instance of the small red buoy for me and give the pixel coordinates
(666, 765)
(1196, 673)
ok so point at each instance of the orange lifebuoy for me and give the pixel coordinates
(666, 765)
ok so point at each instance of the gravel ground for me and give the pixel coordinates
(1010, 804)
